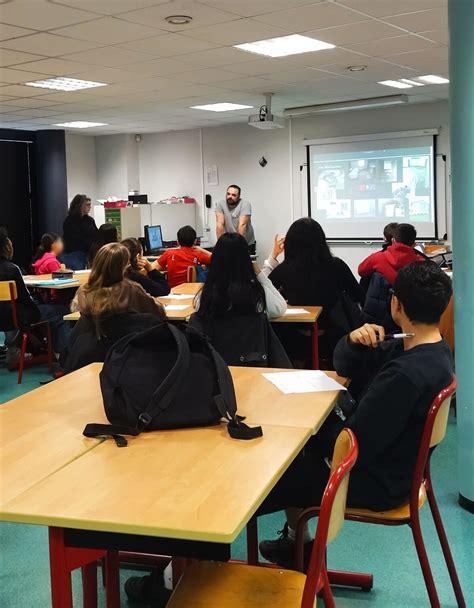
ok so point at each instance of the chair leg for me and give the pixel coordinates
(112, 579)
(61, 587)
(89, 585)
(315, 345)
(252, 542)
(21, 363)
(50, 348)
(326, 591)
(178, 565)
(423, 558)
(443, 539)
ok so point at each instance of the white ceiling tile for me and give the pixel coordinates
(262, 66)
(8, 109)
(36, 112)
(364, 31)
(440, 36)
(201, 15)
(376, 70)
(8, 98)
(32, 102)
(8, 57)
(18, 90)
(160, 67)
(53, 67)
(298, 74)
(441, 68)
(439, 53)
(248, 8)
(218, 57)
(108, 28)
(109, 56)
(110, 7)
(204, 76)
(19, 76)
(392, 46)
(108, 75)
(11, 31)
(41, 15)
(250, 83)
(422, 21)
(169, 44)
(4, 118)
(49, 45)
(72, 107)
(329, 57)
(316, 16)
(237, 32)
(384, 8)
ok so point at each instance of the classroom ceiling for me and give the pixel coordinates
(155, 71)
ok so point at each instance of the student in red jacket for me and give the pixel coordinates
(46, 260)
(398, 255)
(177, 261)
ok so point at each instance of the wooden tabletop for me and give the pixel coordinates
(32, 280)
(310, 315)
(261, 402)
(187, 288)
(41, 431)
(191, 484)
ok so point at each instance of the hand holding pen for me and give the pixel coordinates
(371, 335)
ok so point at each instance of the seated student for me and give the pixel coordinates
(142, 272)
(177, 261)
(232, 287)
(109, 290)
(398, 255)
(111, 306)
(389, 235)
(29, 311)
(107, 233)
(404, 376)
(45, 260)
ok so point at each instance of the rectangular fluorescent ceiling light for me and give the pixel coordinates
(432, 79)
(396, 84)
(65, 84)
(344, 106)
(81, 124)
(285, 45)
(221, 107)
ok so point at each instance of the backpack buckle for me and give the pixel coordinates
(144, 420)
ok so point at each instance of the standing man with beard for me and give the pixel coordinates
(235, 215)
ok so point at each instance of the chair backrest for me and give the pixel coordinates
(8, 291)
(433, 433)
(333, 506)
(191, 274)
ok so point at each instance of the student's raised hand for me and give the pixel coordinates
(278, 246)
(368, 335)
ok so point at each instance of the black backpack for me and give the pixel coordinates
(163, 378)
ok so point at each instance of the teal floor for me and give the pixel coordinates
(388, 553)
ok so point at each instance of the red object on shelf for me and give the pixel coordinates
(115, 204)
(189, 200)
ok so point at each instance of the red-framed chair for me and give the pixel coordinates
(215, 585)
(191, 274)
(8, 293)
(408, 514)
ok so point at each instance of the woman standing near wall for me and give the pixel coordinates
(79, 232)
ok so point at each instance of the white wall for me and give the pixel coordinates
(81, 165)
(112, 156)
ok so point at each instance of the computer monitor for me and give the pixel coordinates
(153, 238)
(138, 199)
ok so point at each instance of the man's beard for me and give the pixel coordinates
(232, 203)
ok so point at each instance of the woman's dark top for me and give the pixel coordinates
(154, 283)
(79, 233)
(316, 286)
(27, 310)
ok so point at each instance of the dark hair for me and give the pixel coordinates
(186, 236)
(45, 245)
(305, 245)
(75, 208)
(236, 187)
(406, 234)
(231, 287)
(107, 233)
(389, 231)
(5, 244)
(424, 290)
(134, 248)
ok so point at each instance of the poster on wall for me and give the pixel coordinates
(212, 177)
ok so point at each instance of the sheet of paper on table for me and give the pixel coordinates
(53, 282)
(176, 306)
(82, 271)
(177, 296)
(296, 311)
(303, 381)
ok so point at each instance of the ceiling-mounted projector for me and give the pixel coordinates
(265, 119)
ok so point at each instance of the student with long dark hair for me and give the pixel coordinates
(142, 271)
(79, 232)
(232, 287)
(107, 233)
(45, 260)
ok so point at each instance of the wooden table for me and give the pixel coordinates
(190, 289)
(33, 280)
(41, 431)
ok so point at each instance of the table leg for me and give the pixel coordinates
(178, 566)
(112, 579)
(89, 585)
(315, 345)
(61, 588)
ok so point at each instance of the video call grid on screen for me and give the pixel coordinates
(356, 188)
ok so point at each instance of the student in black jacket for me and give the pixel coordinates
(141, 271)
(402, 379)
(79, 232)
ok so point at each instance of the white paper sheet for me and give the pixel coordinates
(296, 311)
(87, 271)
(177, 296)
(303, 381)
(176, 307)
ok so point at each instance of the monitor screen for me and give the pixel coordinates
(154, 237)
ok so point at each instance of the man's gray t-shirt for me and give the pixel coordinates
(232, 217)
